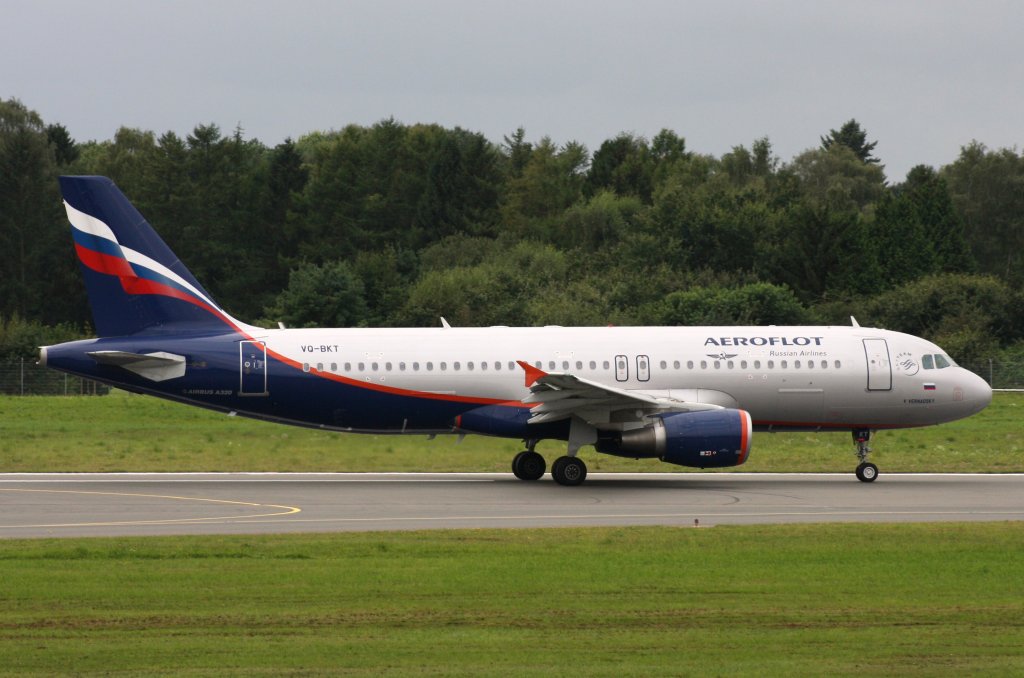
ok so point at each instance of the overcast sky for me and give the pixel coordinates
(924, 78)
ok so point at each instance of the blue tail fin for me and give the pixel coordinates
(135, 282)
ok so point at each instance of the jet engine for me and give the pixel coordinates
(704, 439)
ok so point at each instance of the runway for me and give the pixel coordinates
(59, 505)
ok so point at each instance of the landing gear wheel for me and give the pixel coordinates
(528, 465)
(867, 472)
(569, 471)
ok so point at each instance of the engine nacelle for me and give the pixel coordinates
(705, 439)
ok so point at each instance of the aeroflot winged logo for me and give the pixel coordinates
(97, 247)
(763, 341)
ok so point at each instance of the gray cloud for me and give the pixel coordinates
(923, 78)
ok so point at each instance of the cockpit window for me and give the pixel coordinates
(936, 361)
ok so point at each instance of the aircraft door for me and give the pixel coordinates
(879, 369)
(252, 368)
(643, 368)
(621, 368)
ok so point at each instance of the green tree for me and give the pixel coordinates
(903, 249)
(968, 315)
(517, 152)
(853, 137)
(754, 304)
(320, 295)
(551, 181)
(623, 165)
(65, 151)
(932, 204)
(987, 189)
(38, 259)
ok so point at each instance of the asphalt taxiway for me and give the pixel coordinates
(53, 505)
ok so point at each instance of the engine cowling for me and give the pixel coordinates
(705, 439)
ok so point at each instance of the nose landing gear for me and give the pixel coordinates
(866, 471)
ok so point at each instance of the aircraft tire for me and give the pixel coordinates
(515, 463)
(867, 472)
(569, 471)
(528, 465)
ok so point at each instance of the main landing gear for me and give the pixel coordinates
(866, 471)
(529, 465)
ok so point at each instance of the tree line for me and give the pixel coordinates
(396, 225)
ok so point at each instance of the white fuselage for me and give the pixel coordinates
(803, 377)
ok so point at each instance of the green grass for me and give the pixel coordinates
(922, 599)
(135, 433)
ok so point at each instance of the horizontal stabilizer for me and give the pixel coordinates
(158, 366)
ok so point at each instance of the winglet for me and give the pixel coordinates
(532, 373)
(853, 321)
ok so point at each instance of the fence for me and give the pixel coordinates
(25, 377)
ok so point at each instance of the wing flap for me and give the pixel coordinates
(558, 396)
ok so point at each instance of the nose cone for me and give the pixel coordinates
(977, 393)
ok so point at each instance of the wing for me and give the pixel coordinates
(561, 396)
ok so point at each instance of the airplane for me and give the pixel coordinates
(690, 396)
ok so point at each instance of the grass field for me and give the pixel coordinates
(940, 599)
(122, 432)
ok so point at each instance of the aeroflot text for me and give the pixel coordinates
(763, 341)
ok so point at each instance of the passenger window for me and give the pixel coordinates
(469, 365)
(757, 364)
(375, 367)
(838, 364)
(401, 367)
(483, 364)
(796, 364)
(579, 364)
(607, 365)
(784, 364)
(511, 365)
(729, 364)
(430, 367)
(565, 364)
(689, 364)
(675, 364)
(387, 366)
(348, 367)
(593, 365)
(456, 366)
(941, 362)
(334, 367)
(415, 367)
(927, 363)
(444, 367)
(305, 367)
(771, 364)
(664, 365)
(703, 364)
(362, 366)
